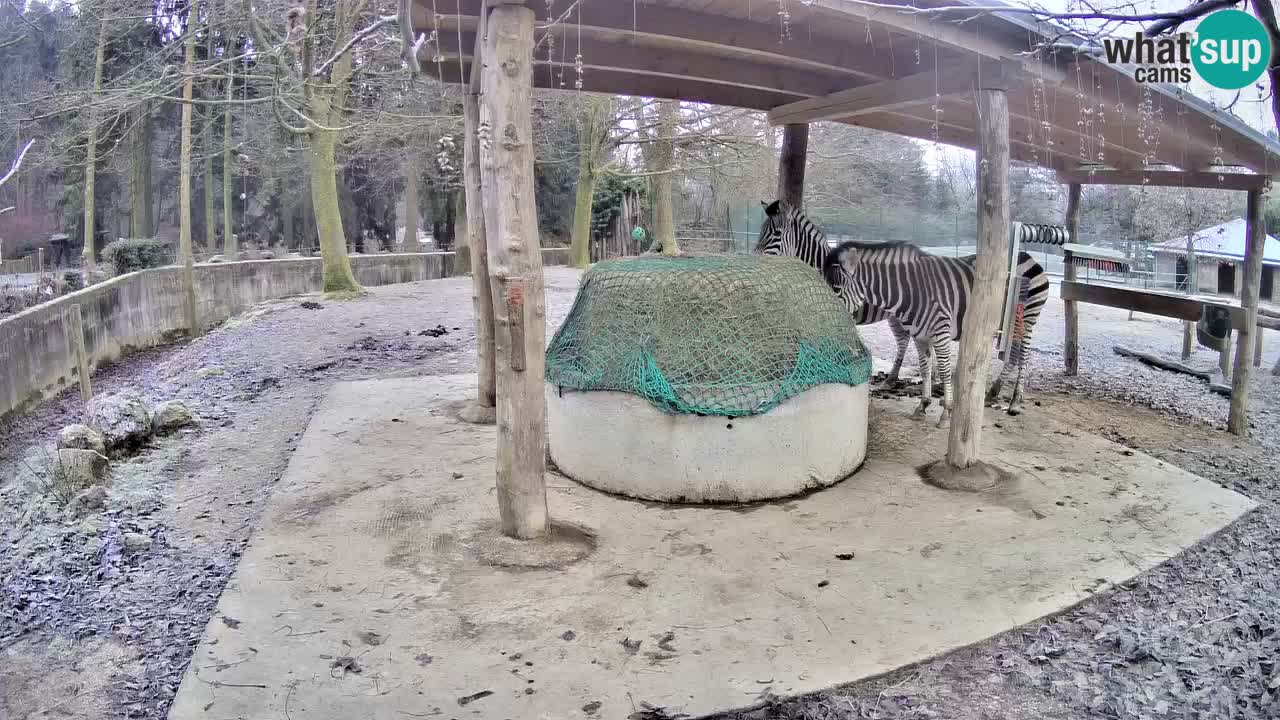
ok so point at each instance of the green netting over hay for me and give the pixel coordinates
(726, 335)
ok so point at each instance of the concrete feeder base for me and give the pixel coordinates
(620, 443)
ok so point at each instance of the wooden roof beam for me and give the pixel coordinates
(687, 64)
(951, 134)
(711, 33)
(1166, 178)
(614, 82)
(925, 87)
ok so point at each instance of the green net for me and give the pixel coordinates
(726, 335)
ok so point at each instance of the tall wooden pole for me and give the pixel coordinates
(515, 267)
(76, 330)
(795, 153)
(481, 294)
(184, 183)
(1071, 343)
(1256, 234)
(990, 274)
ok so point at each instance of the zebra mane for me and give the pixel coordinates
(881, 246)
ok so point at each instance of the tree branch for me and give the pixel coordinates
(1267, 13)
(346, 48)
(17, 163)
(1189, 12)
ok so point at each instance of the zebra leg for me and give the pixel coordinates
(942, 353)
(900, 337)
(993, 392)
(926, 376)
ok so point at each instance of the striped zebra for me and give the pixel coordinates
(930, 294)
(805, 241)
(893, 289)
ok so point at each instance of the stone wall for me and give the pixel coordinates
(144, 309)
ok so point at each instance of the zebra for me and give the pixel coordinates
(930, 294)
(805, 241)
(788, 231)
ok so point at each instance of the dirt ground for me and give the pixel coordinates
(91, 629)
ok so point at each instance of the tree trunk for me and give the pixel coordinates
(91, 151)
(791, 164)
(411, 214)
(1071, 343)
(580, 238)
(1256, 238)
(184, 183)
(141, 205)
(990, 275)
(450, 216)
(594, 116)
(338, 277)
(1193, 288)
(210, 216)
(230, 243)
(462, 244)
(664, 225)
(516, 270)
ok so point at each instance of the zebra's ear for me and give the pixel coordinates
(772, 208)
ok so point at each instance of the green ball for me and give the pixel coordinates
(1231, 49)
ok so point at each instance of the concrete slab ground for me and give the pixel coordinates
(366, 593)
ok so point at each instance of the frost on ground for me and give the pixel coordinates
(100, 613)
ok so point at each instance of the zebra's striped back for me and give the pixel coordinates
(787, 232)
(916, 286)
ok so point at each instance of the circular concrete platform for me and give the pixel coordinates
(620, 443)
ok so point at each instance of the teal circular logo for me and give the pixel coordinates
(1231, 49)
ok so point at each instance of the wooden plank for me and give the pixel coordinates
(76, 331)
(631, 57)
(1238, 414)
(1071, 343)
(515, 268)
(924, 87)
(950, 134)
(1145, 301)
(613, 82)
(1166, 178)
(990, 276)
(791, 164)
(710, 32)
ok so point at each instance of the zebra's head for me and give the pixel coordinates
(774, 238)
(840, 268)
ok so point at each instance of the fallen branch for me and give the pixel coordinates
(1156, 361)
(1177, 367)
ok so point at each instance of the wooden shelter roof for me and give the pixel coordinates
(872, 66)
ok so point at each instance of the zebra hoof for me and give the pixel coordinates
(944, 420)
(1015, 411)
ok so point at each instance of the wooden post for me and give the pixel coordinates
(1224, 361)
(1256, 234)
(795, 152)
(1071, 344)
(39, 265)
(481, 296)
(76, 341)
(515, 267)
(1257, 348)
(990, 274)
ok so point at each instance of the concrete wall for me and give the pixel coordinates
(144, 309)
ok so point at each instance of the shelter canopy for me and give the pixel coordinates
(871, 66)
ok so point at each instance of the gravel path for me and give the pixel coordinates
(90, 629)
